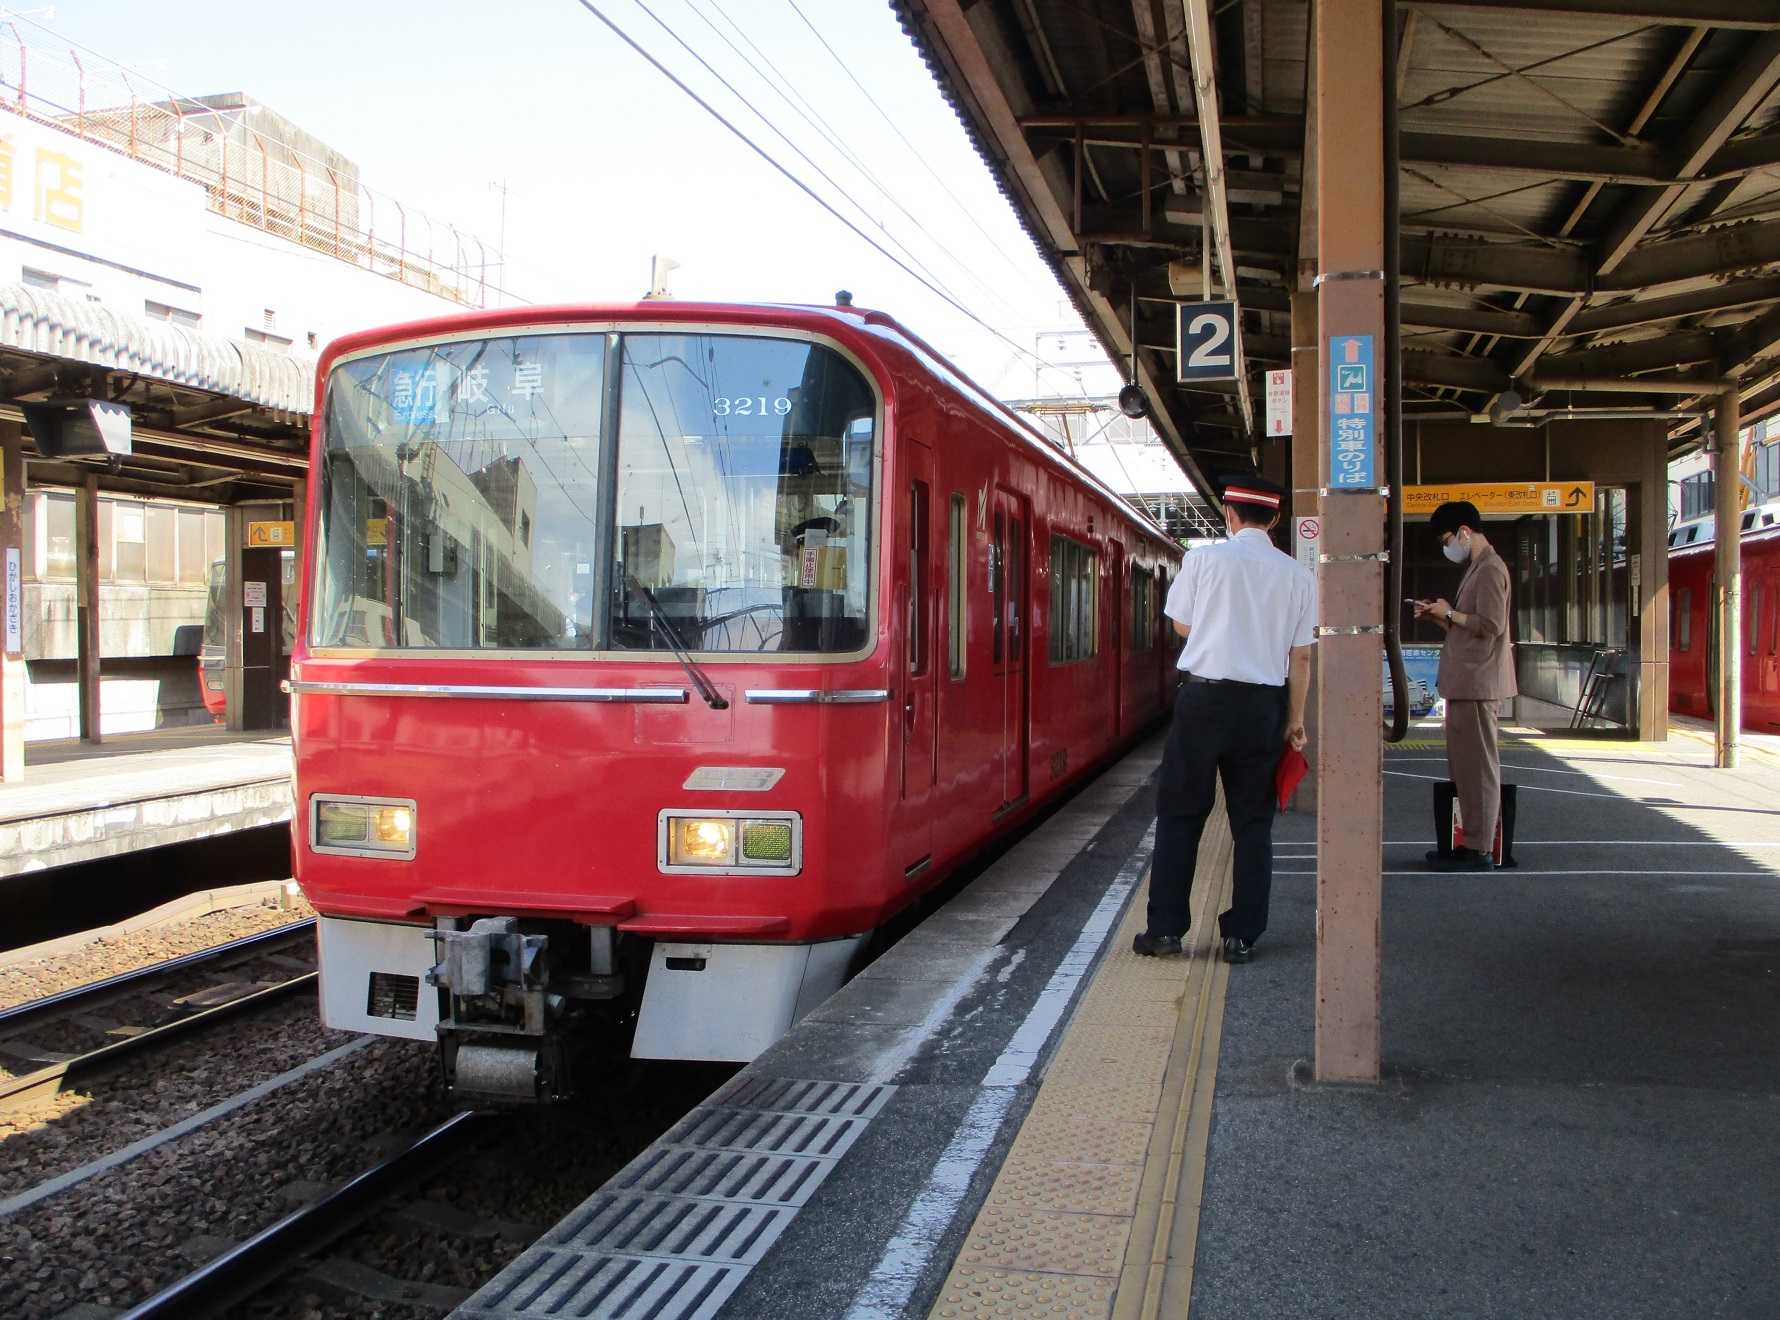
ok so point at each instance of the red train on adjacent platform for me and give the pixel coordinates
(653, 656)
(1693, 638)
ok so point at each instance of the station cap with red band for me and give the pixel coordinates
(1256, 492)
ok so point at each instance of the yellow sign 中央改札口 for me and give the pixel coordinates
(1503, 497)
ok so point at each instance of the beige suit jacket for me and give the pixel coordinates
(1477, 660)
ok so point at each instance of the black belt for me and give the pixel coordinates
(1189, 677)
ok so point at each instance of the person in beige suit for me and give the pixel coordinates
(1476, 673)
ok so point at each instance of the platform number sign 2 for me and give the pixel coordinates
(1205, 340)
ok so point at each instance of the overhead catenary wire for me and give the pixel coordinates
(996, 245)
(945, 296)
(800, 105)
(804, 155)
(933, 279)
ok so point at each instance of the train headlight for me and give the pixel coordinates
(755, 842)
(362, 826)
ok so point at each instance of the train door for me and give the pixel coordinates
(914, 838)
(1009, 568)
(1115, 614)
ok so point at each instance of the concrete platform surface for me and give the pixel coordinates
(79, 802)
(1581, 1106)
(1009, 1114)
(838, 1173)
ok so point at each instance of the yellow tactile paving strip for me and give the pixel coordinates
(1096, 1210)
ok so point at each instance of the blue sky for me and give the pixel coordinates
(606, 162)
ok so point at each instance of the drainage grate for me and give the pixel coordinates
(674, 1234)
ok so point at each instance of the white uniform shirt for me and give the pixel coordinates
(1248, 605)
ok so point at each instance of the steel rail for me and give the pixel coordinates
(21, 1015)
(16, 1092)
(242, 1271)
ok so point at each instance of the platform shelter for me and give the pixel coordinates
(1492, 241)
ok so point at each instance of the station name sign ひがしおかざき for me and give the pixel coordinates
(1503, 497)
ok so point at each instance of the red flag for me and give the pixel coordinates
(1289, 773)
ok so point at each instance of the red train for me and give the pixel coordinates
(1693, 639)
(655, 655)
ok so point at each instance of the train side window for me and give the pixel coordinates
(1684, 620)
(1143, 609)
(997, 548)
(917, 578)
(956, 611)
(1010, 582)
(1075, 581)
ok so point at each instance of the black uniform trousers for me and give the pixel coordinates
(1236, 730)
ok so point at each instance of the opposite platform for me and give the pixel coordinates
(79, 803)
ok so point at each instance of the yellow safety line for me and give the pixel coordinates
(1213, 977)
(1061, 1247)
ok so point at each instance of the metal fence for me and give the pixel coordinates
(254, 166)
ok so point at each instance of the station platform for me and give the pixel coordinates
(1009, 1114)
(79, 802)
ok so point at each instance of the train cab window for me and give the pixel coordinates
(1683, 620)
(957, 611)
(745, 496)
(461, 496)
(1075, 595)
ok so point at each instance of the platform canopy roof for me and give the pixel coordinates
(1589, 189)
(213, 419)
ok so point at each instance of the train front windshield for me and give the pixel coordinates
(476, 496)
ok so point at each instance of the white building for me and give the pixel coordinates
(220, 234)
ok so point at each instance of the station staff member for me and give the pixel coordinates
(1476, 672)
(1248, 614)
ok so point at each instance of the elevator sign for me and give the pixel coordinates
(1353, 434)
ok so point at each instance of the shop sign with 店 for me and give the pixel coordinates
(1503, 497)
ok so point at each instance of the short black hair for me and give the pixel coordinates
(1454, 514)
(1252, 511)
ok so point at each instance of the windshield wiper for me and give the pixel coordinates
(658, 616)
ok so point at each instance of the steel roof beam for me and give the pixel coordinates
(1734, 101)
(1722, 251)
(967, 50)
(1755, 15)
(1195, 17)
(1726, 297)
(1640, 166)
(1454, 372)
(1473, 320)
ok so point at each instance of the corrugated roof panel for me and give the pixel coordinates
(38, 321)
(1603, 83)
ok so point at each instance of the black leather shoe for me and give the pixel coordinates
(1437, 855)
(1464, 859)
(1237, 951)
(1155, 946)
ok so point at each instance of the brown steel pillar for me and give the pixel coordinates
(1727, 472)
(12, 565)
(1306, 485)
(86, 604)
(1350, 752)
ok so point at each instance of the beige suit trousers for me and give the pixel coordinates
(1475, 765)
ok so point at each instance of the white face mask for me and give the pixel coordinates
(1458, 550)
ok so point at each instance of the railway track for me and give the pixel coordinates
(76, 1015)
(273, 1252)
